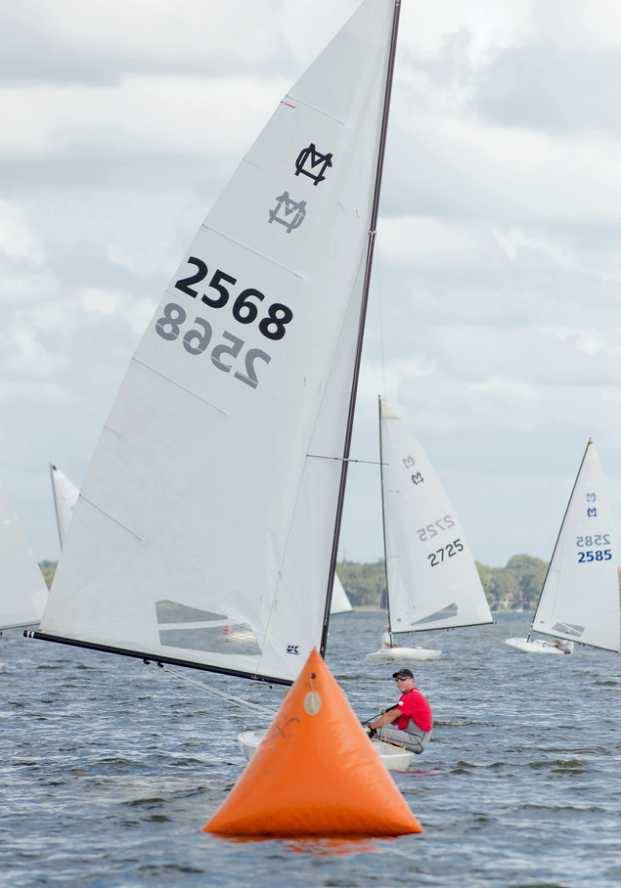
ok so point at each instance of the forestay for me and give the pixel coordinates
(204, 529)
(580, 596)
(432, 579)
(65, 495)
(24, 593)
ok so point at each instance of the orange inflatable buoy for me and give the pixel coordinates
(315, 773)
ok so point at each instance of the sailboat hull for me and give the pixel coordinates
(390, 654)
(393, 757)
(538, 646)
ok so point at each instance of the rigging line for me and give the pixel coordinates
(368, 462)
(209, 690)
(380, 302)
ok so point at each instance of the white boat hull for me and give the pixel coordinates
(536, 646)
(393, 757)
(403, 654)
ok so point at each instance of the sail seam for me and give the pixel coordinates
(318, 110)
(243, 246)
(115, 520)
(179, 386)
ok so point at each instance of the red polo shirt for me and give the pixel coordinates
(414, 706)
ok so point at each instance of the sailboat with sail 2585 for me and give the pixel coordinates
(579, 601)
(214, 497)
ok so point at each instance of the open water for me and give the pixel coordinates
(108, 769)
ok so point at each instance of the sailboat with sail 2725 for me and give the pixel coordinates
(215, 493)
(431, 579)
(579, 600)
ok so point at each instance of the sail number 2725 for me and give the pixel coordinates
(444, 552)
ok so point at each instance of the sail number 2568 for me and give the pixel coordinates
(245, 308)
(198, 338)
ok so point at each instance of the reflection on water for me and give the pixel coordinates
(110, 768)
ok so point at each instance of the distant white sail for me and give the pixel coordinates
(24, 592)
(340, 602)
(433, 582)
(205, 525)
(65, 495)
(580, 596)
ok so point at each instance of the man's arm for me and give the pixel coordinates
(387, 718)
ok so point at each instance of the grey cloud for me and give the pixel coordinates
(550, 88)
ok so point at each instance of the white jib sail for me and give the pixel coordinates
(65, 495)
(340, 602)
(204, 528)
(24, 592)
(580, 596)
(433, 582)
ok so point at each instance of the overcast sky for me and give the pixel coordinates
(496, 300)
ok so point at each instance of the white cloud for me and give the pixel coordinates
(498, 258)
(138, 117)
(18, 241)
(426, 242)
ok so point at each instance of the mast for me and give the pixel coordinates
(362, 320)
(381, 462)
(60, 537)
(558, 536)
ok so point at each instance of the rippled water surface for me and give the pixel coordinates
(109, 768)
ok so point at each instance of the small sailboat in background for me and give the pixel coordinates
(431, 579)
(24, 592)
(340, 603)
(579, 600)
(213, 502)
(65, 494)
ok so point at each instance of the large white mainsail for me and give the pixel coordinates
(24, 592)
(65, 494)
(204, 534)
(580, 595)
(432, 579)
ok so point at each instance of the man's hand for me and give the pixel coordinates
(371, 732)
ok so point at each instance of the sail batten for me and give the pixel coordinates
(243, 246)
(261, 319)
(432, 580)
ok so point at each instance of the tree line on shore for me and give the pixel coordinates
(515, 586)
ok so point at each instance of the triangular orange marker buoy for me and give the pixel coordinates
(315, 773)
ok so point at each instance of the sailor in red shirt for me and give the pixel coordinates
(410, 722)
